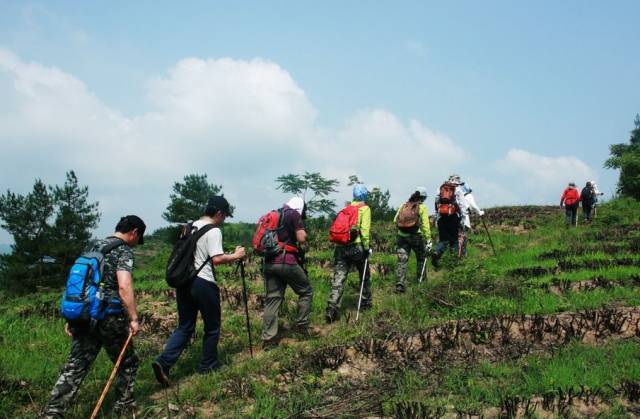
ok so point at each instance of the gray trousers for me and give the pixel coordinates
(277, 277)
(345, 258)
(405, 245)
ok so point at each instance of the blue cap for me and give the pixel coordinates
(360, 192)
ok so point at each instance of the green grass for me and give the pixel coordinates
(34, 347)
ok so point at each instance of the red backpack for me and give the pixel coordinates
(344, 230)
(447, 202)
(265, 239)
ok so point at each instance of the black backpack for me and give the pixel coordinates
(180, 271)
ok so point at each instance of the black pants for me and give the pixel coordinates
(204, 297)
(449, 234)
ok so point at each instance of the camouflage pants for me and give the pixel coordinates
(111, 333)
(405, 244)
(346, 257)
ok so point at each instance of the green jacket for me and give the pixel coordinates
(425, 227)
(363, 224)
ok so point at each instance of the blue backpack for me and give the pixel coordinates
(83, 298)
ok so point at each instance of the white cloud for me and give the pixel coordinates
(242, 122)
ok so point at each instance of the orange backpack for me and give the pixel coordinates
(447, 204)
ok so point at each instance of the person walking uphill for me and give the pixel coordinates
(284, 269)
(352, 250)
(414, 233)
(200, 295)
(121, 319)
(588, 198)
(570, 200)
(449, 218)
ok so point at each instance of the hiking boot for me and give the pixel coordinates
(268, 345)
(305, 332)
(366, 306)
(162, 374)
(399, 289)
(331, 315)
(435, 259)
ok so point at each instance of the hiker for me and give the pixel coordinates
(570, 200)
(596, 194)
(353, 252)
(112, 332)
(200, 295)
(414, 233)
(588, 199)
(467, 204)
(449, 204)
(284, 269)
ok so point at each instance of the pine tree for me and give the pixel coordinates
(189, 198)
(75, 218)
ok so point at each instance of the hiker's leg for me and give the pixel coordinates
(187, 315)
(340, 272)
(114, 331)
(299, 283)
(275, 288)
(402, 251)
(421, 254)
(207, 296)
(84, 349)
(359, 258)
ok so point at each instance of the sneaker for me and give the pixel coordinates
(399, 289)
(366, 306)
(162, 375)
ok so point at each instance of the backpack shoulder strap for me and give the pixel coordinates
(197, 236)
(111, 245)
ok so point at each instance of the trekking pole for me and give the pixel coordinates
(246, 305)
(364, 274)
(423, 271)
(113, 375)
(488, 235)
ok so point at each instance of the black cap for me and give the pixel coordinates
(218, 203)
(133, 221)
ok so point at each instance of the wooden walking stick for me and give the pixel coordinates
(113, 375)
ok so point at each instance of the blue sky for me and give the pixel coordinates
(518, 98)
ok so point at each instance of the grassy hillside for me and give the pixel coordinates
(548, 327)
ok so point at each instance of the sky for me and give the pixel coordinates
(519, 99)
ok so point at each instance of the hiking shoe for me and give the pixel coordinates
(435, 258)
(268, 345)
(366, 306)
(399, 289)
(305, 332)
(162, 375)
(331, 316)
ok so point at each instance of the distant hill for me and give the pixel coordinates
(5, 248)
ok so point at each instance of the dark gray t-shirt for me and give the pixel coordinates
(119, 259)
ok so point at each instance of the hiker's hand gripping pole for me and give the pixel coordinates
(113, 375)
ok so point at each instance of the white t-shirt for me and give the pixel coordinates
(208, 246)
